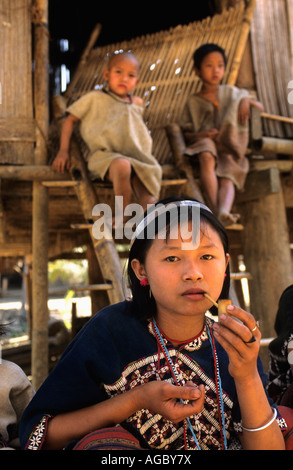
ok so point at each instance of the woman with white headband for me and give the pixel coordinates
(155, 372)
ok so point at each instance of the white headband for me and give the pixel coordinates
(156, 211)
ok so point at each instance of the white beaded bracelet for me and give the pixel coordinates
(262, 427)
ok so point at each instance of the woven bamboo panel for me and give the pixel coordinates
(166, 76)
(271, 35)
(16, 140)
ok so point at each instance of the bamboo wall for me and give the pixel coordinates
(16, 108)
(272, 47)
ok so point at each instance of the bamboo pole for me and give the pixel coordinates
(93, 38)
(241, 43)
(40, 348)
(276, 117)
(271, 144)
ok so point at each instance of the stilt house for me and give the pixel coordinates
(44, 215)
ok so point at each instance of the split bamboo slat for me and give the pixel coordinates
(16, 102)
(167, 77)
(271, 36)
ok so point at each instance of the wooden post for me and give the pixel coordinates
(40, 366)
(241, 43)
(40, 285)
(266, 250)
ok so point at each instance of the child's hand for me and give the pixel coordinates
(241, 341)
(61, 162)
(163, 398)
(211, 133)
(244, 111)
(192, 137)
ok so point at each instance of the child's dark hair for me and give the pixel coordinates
(143, 305)
(204, 50)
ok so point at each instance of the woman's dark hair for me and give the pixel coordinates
(143, 304)
(3, 330)
(204, 50)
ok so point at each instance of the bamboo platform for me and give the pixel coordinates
(167, 77)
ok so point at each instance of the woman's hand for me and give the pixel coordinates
(235, 338)
(256, 412)
(163, 398)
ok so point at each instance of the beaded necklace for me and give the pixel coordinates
(220, 401)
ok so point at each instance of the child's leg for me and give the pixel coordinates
(119, 174)
(226, 199)
(209, 179)
(143, 195)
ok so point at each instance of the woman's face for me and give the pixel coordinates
(179, 277)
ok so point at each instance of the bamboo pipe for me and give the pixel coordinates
(272, 144)
(221, 304)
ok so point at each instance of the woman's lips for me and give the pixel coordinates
(195, 294)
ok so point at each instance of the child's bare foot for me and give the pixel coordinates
(227, 219)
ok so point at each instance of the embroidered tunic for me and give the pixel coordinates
(113, 128)
(229, 147)
(280, 376)
(116, 352)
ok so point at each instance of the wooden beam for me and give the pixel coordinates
(15, 249)
(284, 166)
(91, 287)
(31, 173)
(260, 184)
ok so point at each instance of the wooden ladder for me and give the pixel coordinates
(104, 248)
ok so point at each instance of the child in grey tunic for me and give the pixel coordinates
(111, 123)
